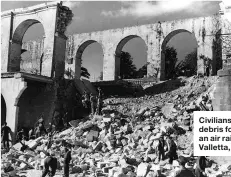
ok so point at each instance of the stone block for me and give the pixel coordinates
(106, 169)
(98, 146)
(142, 169)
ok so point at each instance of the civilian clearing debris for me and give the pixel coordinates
(5, 135)
(160, 148)
(183, 172)
(85, 100)
(67, 159)
(92, 100)
(50, 163)
(200, 166)
(99, 102)
(171, 152)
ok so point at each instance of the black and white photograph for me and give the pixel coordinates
(116, 88)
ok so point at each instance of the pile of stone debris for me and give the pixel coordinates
(116, 145)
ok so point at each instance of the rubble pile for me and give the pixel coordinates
(122, 142)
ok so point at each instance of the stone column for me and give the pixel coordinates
(109, 65)
(222, 93)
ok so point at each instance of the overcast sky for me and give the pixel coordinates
(102, 15)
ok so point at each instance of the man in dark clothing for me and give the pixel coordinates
(5, 135)
(171, 153)
(92, 100)
(183, 172)
(201, 165)
(85, 100)
(50, 162)
(67, 159)
(99, 102)
(160, 148)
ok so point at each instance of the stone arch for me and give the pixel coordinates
(3, 109)
(16, 44)
(79, 53)
(163, 48)
(118, 50)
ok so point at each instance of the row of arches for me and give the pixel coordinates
(91, 53)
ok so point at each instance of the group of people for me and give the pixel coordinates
(171, 154)
(93, 103)
(33, 133)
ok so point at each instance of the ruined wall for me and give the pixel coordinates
(36, 100)
(13, 32)
(155, 37)
(35, 48)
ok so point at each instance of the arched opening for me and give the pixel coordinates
(3, 110)
(31, 104)
(90, 58)
(131, 58)
(179, 55)
(27, 47)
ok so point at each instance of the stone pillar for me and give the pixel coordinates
(222, 92)
(59, 54)
(109, 66)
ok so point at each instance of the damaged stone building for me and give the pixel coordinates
(26, 96)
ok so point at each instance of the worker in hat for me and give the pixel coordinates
(50, 163)
(183, 172)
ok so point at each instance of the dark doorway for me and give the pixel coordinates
(3, 110)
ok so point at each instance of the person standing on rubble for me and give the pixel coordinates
(5, 135)
(50, 162)
(200, 166)
(160, 148)
(67, 159)
(99, 102)
(85, 100)
(203, 103)
(171, 153)
(92, 100)
(183, 172)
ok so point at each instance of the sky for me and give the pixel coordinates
(92, 16)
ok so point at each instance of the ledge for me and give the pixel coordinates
(30, 9)
(27, 76)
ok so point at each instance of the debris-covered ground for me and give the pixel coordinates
(121, 142)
